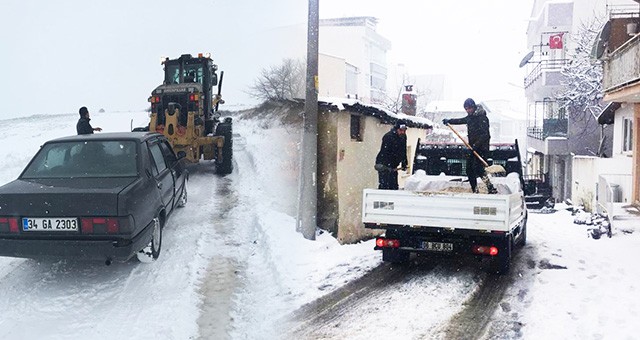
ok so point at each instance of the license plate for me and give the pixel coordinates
(437, 246)
(49, 224)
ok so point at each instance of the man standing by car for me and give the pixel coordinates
(83, 126)
(478, 135)
(393, 152)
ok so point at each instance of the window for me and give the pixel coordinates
(356, 128)
(94, 159)
(192, 73)
(351, 81)
(172, 73)
(627, 134)
(158, 159)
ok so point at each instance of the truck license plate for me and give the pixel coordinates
(49, 224)
(437, 246)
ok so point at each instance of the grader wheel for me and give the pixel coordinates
(224, 166)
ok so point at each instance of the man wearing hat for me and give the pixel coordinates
(478, 136)
(393, 152)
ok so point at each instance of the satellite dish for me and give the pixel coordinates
(526, 58)
(601, 42)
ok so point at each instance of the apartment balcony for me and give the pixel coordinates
(621, 67)
(544, 79)
(550, 138)
(550, 128)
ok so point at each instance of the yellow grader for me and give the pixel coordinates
(185, 109)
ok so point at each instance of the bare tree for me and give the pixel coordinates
(581, 97)
(280, 82)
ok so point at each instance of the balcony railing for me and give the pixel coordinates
(535, 132)
(623, 66)
(544, 66)
(550, 127)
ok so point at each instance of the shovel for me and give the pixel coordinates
(488, 169)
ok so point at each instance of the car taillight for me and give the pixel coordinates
(485, 250)
(104, 225)
(9, 224)
(387, 243)
(194, 97)
(154, 99)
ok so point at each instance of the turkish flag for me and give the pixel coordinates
(555, 41)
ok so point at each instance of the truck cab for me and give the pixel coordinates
(184, 108)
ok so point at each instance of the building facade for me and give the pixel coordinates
(364, 52)
(555, 135)
(618, 47)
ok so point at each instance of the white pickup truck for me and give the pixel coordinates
(438, 214)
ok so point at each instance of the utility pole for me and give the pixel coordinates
(308, 194)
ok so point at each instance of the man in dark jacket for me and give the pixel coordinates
(83, 126)
(393, 152)
(478, 135)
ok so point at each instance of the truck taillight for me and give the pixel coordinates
(387, 243)
(485, 250)
(194, 97)
(9, 224)
(154, 99)
(104, 225)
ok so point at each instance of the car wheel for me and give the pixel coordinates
(152, 251)
(182, 200)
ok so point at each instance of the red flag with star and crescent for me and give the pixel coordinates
(555, 41)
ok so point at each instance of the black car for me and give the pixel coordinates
(101, 196)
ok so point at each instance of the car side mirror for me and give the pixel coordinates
(181, 155)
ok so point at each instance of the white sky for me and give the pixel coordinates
(61, 55)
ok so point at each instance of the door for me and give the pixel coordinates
(163, 176)
(176, 168)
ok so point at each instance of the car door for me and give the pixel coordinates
(177, 170)
(162, 175)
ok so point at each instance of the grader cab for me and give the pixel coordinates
(185, 109)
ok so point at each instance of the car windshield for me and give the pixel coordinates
(84, 159)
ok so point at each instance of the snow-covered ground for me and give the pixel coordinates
(566, 286)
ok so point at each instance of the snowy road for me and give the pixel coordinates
(207, 283)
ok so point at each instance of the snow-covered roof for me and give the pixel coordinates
(385, 116)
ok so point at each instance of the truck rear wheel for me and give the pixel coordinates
(395, 256)
(224, 166)
(502, 262)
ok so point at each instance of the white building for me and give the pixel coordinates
(353, 59)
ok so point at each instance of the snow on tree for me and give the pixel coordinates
(581, 95)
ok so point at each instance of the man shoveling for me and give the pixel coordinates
(479, 137)
(393, 152)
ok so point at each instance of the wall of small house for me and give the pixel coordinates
(345, 168)
(355, 172)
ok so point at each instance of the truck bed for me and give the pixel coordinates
(481, 212)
